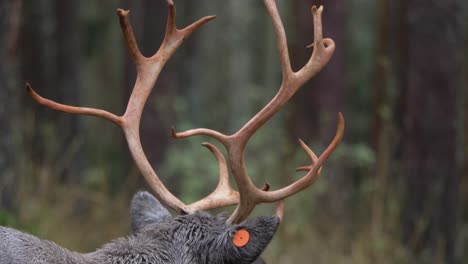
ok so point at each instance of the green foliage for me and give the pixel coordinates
(360, 155)
(11, 220)
(6, 219)
(194, 168)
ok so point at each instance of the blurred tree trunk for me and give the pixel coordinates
(33, 40)
(50, 44)
(465, 170)
(382, 125)
(10, 89)
(67, 85)
(432, 128)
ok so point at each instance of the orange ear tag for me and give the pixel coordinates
(241, 238)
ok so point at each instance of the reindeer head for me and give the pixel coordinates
(200, 237)
(218, 239)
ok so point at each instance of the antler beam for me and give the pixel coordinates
(148, 70)
(235, 144)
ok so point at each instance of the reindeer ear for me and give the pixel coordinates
(145, 210)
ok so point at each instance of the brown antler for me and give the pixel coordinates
(235, 144)
(148, 70)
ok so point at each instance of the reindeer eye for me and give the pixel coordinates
(241, 238)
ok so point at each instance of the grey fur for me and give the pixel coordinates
(145, 210)
(158, 238)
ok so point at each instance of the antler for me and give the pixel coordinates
(235, 144)
(148, 70)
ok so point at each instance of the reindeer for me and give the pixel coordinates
(193, 236)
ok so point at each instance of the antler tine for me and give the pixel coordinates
(313, 157)
(148, 70)
(130, 40)
(308, 179)
(72, 109)
(223, 195)
(323, 49)
(201, 131)
(281, 39)
(223, 168)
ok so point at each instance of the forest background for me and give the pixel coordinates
(395, 191)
